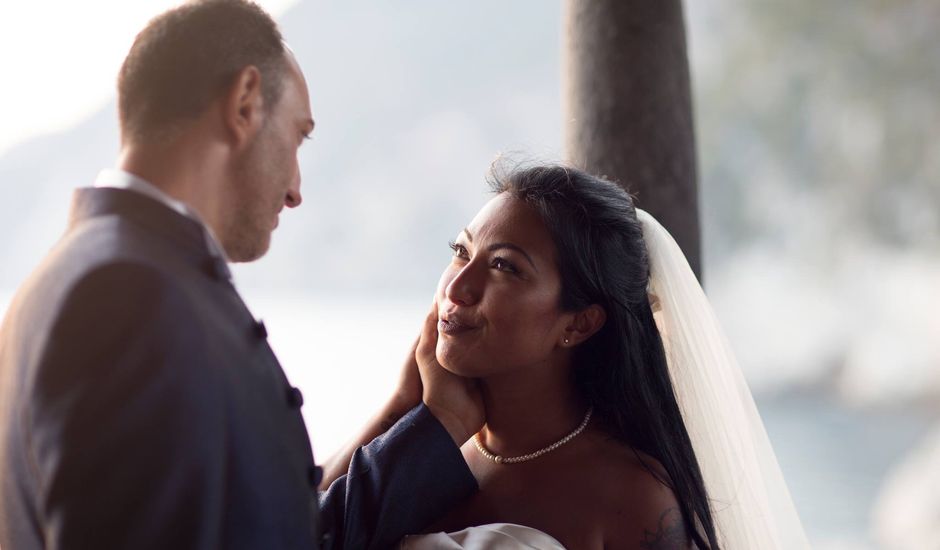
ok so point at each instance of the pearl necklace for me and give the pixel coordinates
(478, 441)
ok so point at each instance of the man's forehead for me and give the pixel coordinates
(295, 78)
(309, 124)
(293, 66)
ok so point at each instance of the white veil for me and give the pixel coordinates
(749, 500)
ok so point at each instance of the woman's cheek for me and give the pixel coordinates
(530, 330)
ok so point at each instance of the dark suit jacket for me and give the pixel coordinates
(141, 407)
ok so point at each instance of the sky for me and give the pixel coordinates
(60, 59)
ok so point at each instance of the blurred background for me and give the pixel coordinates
(818, 135)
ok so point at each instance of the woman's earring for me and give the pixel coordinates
(566, 340)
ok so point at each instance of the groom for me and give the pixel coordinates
(140, 404)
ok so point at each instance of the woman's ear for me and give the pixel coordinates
(584, 324)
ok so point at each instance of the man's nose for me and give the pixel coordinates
(293, 199)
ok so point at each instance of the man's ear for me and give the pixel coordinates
(584, 325)
(243, 106)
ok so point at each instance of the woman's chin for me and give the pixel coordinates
(459, 365)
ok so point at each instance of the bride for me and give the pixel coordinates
(615, 415)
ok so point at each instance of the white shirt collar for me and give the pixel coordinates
(120, 179)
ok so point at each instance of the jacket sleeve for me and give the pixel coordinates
(396, 485)
(125, 426)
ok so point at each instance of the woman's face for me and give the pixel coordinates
(498, 300)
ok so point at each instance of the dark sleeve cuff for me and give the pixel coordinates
(397, 484)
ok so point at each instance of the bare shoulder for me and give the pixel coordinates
(643, 512)
(667, 532)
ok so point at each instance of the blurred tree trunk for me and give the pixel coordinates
(629, 107)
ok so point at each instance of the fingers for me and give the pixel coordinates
(431, 319)
(429, 330)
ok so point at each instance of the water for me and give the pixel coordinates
(346, 353)
(835, 459)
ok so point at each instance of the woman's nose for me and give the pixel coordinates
(464, 289)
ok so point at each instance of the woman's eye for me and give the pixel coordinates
(460, 250)
(503, 265)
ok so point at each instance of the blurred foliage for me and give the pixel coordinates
(819, 123)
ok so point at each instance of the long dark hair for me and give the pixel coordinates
(621, 371)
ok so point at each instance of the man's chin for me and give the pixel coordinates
(248, 252)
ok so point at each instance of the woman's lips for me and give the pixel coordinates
(452, 327)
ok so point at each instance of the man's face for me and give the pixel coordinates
(267, 176)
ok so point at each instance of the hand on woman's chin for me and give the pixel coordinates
(454, 367)
(458, 361)
(454, 399)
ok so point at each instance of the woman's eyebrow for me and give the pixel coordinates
(499, 246)
(510, 246)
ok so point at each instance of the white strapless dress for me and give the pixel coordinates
(493, 536)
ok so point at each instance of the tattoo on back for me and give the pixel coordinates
(670, 534)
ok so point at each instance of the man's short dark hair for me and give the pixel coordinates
(186, 57)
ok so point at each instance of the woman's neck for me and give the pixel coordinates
(530, 409)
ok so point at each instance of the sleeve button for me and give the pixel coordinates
(295, 398)
(315, 475)
(261, 331)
